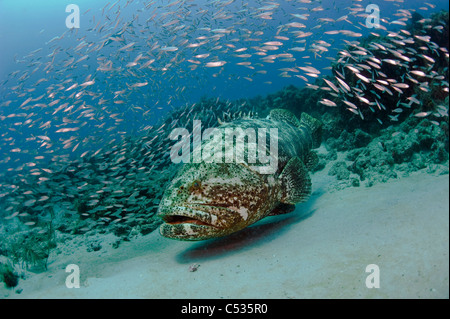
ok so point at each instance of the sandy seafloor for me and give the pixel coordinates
(319, 251)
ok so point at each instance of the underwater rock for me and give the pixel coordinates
(425, 138)
(340, 170)
(94, 246)
(347, 141)
(320, 165)
(326, 155)
(117, 243)
(402, 146)
(411, 146)
(331, 155)
(373, 159)
(355, 182)
(361, 138)
(8, 276)
(375, 163)
(121, 230)
(149, 227)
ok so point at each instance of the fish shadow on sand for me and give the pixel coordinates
(263, 231)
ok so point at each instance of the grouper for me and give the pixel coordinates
(209, 199)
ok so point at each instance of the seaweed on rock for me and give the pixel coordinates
(31, 248)
(8, 275)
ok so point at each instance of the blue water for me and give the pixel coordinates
(28, 25)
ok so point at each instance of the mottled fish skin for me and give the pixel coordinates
(209, 200)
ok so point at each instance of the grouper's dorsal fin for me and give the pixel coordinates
(283, 115)
(314, 125)
(229, 117)
(295, 182)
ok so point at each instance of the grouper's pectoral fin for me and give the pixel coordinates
(295, 182)
(282, 209)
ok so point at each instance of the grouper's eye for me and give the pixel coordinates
(195, 186)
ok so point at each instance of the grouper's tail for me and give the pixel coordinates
(315, 126)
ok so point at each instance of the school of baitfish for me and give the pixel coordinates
(86, 92)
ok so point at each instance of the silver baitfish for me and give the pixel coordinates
(209, 199)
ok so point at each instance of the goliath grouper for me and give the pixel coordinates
(207, 200)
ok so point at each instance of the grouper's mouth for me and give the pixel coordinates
(198, 214)
(179, 219)
(195, 221)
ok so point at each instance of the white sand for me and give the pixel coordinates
(401, 226)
